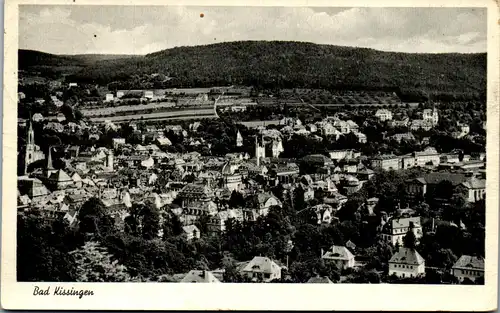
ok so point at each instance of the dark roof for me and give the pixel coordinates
(407, 256)
(436, 178)
(317, 158)
(470, 262)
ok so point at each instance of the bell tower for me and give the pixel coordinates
(30, 148)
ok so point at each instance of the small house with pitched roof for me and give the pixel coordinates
(407, 263)
(471, 267)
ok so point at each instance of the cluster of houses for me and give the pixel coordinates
(405, 263)
(430, 118)
(190, 185)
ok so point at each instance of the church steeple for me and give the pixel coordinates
(29, 156)
(239, 139)
(49, 160)
(31, 134)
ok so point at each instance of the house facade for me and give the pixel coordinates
(394, 231)
(471, 267)
(386, 162)
(262, 269)
(406, 263)
(340, 256)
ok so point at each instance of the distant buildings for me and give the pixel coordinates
(383, 115)
(386, 162)
(431, 116)
(475, 187)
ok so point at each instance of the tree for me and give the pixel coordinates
(172, 226)
(410, 240)
(94, 219)
(144, 220)
(302, 271)
(41, 251)
(94, 264)
(236, 200)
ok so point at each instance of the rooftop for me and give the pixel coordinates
(470, 262)
(407, 256)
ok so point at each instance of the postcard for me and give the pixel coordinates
(250, 156)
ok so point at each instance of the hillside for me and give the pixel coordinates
(300, 65)
(52, 65)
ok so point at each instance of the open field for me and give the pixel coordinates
(157, 116)
(126, 108)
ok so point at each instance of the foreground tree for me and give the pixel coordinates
(94, 264)
(41, 254)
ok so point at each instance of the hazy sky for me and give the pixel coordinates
(144, 29)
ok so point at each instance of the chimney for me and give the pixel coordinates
(322, 252)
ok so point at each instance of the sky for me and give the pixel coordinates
(79, 29)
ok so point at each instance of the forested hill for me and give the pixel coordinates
(298, 64)
(31, 58)
(52, 65)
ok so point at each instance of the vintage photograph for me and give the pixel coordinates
(189, 144)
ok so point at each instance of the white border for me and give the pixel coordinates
(156, 296)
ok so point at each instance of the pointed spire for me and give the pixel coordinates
(31, 124)
(49, 160)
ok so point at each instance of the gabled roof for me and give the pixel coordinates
(264, 196)
(338, 253)
(475, 183)
(60, 176)
(436, 178)
(319, 280)
(195, 190)
(199, 276)
(405, 222)
(470, 262)
(317, 158)
(262, 265)
(407, 256)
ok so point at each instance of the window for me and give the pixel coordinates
(267, 275)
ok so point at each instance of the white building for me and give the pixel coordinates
(109, 97)
(396, 229)
(262, 269)
(407, 263)
(118, 142)
(427, 157)
(476, 189)
(199, 276)
(190, 232)
(383, 115)
(471, 267)
(148, 94)
(431, 115)
(339, 255)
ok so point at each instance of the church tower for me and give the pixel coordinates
(30, 148)
(239, 139)
(109, 161)
(49, 169)
(260, 151)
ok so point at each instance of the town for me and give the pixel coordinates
(237, 184)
